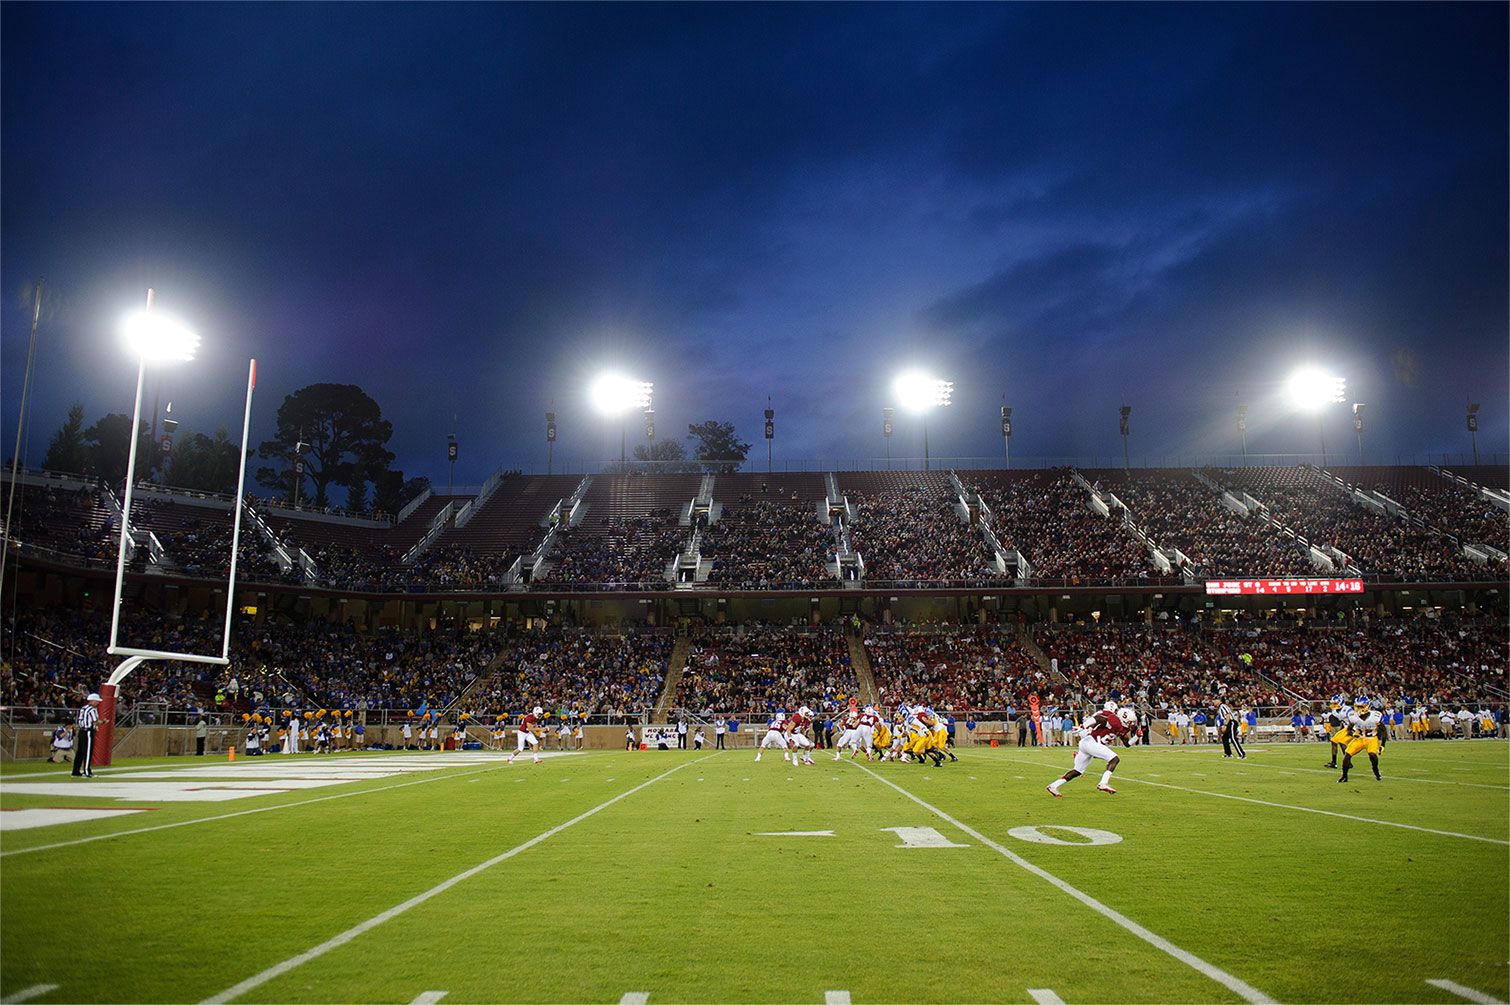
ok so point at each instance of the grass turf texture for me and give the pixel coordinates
(672, 890)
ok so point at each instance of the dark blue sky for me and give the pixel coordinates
(471, 209)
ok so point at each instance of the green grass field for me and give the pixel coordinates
(595, 876)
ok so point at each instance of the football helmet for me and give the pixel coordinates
(539, 710)
(805, 712)
(1110, 706)
(1128, 716)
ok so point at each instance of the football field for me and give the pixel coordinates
(681, 876)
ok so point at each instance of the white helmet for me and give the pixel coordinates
(1110, 706)
(805, 712)
(1128, 717)
(539, 710)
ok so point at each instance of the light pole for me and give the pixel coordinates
(886, 414)
(613, 394)
(550, 441)
(770, 432)
(1006, 432)
(1473, 429)
(1358, 428)
(150, 337)
(1313, 390)
(919, 393)
(1124, 412)
(1242, 430)
(451, 452)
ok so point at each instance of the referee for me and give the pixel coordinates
(1227, 725)
(89, 718)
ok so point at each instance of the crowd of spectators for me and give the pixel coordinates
(1177, 511)
(77, 523)
(769, 543)
(1382, 545)
(617, 552)
(914, 535)
(976, 667)
(759, 670)
(1061, 537)
(610, 677)
(197, 542)
(1459, 511)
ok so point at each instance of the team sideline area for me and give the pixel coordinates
(668, 876)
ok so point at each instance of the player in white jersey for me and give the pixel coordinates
(529, 729)
(1363, 731)
(1096, 732)
(775, 736)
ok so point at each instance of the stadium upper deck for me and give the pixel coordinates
(1017, 530)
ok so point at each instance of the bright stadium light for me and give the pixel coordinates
(1311, 390)
(917, 392)
(614, 394)
(152, 338)
(920, 394)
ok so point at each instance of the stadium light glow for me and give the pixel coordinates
(152, 338)
(1311, 390)
(615, 394)
(918, 392)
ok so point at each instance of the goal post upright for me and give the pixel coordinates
(105, 733)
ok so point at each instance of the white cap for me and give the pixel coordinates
(92, 697)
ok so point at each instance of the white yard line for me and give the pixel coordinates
(1466, 992)
(28, 994)
(1239, 987)
(241, 813)
(1301, 809)
(635, 998)
(1310, 809)
(1045, 996)
(278, 969)
(429, 997)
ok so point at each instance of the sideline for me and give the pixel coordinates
(1239, 987)
(1288, 806)
(278, 969)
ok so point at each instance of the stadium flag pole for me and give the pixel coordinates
(230, 590)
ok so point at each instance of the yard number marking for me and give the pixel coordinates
(1037, 836)
(635, 998)
(836, 998)
(922, 837)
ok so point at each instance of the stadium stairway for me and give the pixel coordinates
(859, 662)
(1025, 640)
(674, 667)
(463, 701)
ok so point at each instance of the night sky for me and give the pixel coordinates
(470, 210)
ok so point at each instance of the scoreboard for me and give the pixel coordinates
(1230, 587)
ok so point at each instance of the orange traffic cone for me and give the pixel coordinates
(232, 749)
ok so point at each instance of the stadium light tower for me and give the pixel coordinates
(1358, 427)
(151, 338)
(1312, 390)
(1473, 428)
(614, 394)
(921, 394)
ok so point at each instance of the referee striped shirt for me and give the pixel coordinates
(89, 716)
(1224, 714)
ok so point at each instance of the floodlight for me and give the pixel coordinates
(1312, 390)
(153, 338)
(917, 392)
(614, 394)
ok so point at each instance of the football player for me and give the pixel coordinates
(796, 734)
(1095, 732)
(775, 736)
(529, 727)
(1336, 726)
(1363, 730)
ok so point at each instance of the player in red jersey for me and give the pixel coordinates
(796, 734)
(1096, 732)
(529, 732)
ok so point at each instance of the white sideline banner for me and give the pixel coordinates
(653, 736)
